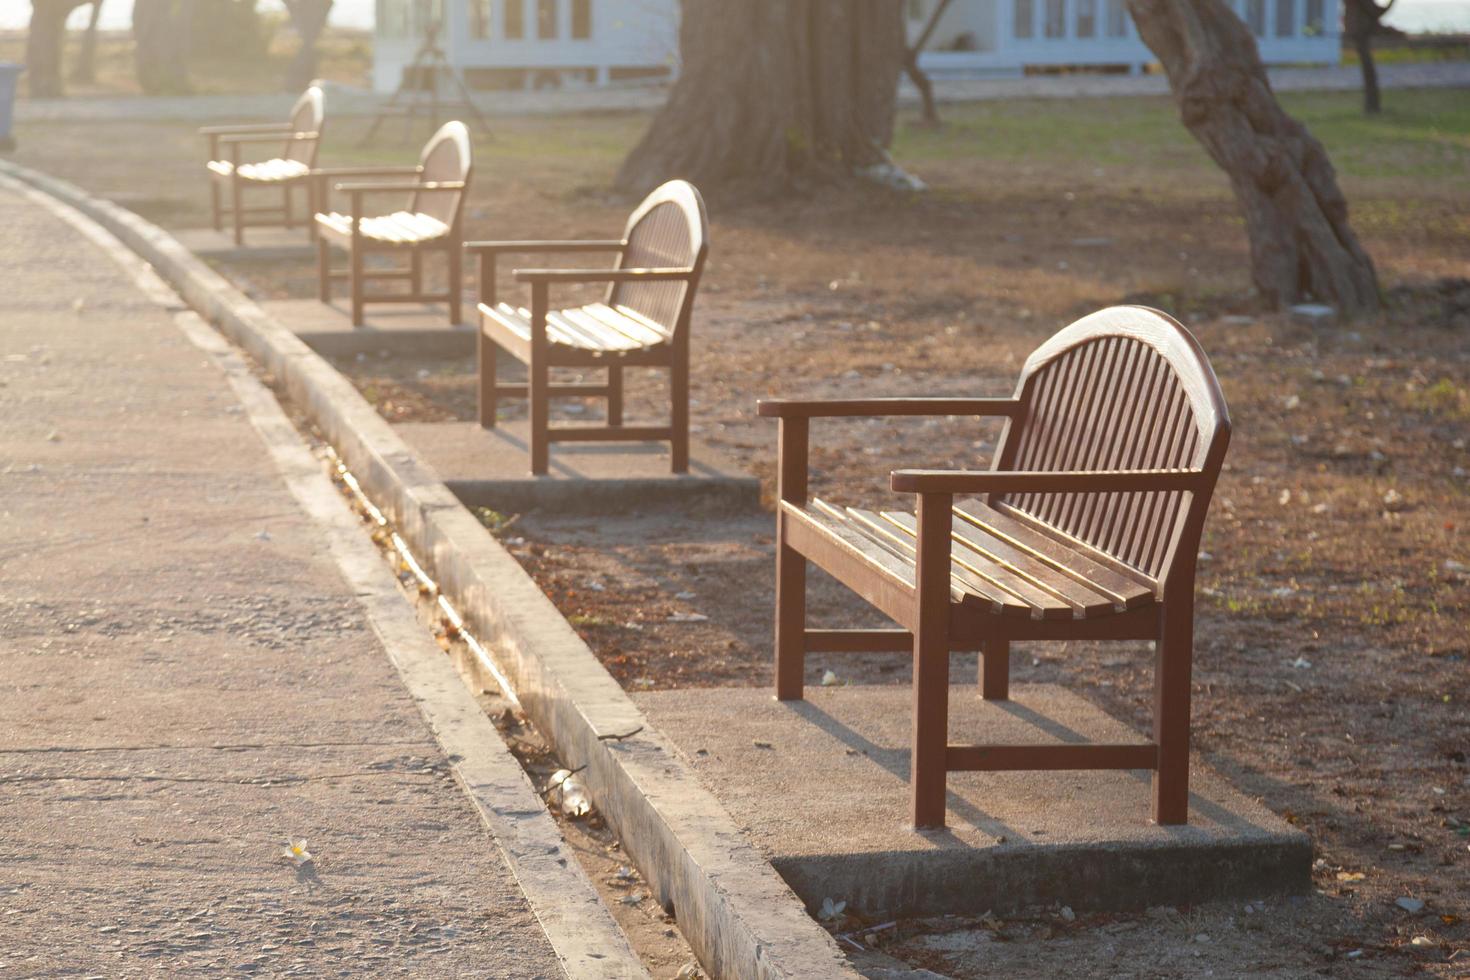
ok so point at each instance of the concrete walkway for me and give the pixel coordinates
(349, 101)
(186, 681)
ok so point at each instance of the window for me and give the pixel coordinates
(1255, 16)
(1315, 18)
(480, 19)
(581, 19)
(1117, 19)
(515, 19)
(1056, 18)
(1285, 18)
(547, 27)
(1086, 18)
(1024, 26)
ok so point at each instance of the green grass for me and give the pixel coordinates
(1420, 134)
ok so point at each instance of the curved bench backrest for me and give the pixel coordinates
(669, 230)
(446, 157)
(307, 116)
(1123, 389)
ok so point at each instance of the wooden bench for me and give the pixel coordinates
(642, 322)
(430, 221)
(1086, 527)
(298, 139)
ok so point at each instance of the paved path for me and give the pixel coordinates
(346, 100)
(186, 681)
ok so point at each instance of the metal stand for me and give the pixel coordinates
(418, 93)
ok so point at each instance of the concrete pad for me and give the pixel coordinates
(491, 468)
(261, 244)
(827, 803)
(407, 328)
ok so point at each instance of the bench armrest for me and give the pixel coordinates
(269, 137)
(528, 247)
(1060, 481)
(281, 128)
(602, 275)
(372, 187)
(854, 407)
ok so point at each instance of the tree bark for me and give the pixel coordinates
(919, 76)
(775, 91)
(161, 31)
(1296, 216)
(1360, 21)
(44, 44)
(84, 72)
(309, 17)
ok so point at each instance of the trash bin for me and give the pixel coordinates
(9, 80)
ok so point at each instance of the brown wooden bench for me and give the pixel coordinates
(642, 322)
(1086, 527)
(430, 221)
(298, 140)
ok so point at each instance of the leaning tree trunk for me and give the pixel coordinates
(918, 75)
(44, 43)
(309, 17)
(1360, 19)
(161, 34)
(773, 91)
(1295, 215)
(84, 72)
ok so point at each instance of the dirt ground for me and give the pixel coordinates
(1331, 646)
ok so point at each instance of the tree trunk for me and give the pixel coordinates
(774, 91)
(161, 31)
(919, 76)
(84, 72)
(1360, 20)
(309, 17)
(1295, 215)
(44, 44)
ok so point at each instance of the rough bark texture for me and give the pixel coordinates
(309, 17)
(44, 43)
(1297, 219)
(771, 91)
(84, 72)
(161, 31)
(1360, 21)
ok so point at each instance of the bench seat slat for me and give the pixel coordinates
(399, 228)
(595, 327)
(972, 587)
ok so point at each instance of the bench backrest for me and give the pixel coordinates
(1125, 388)
(307, 116)
(446, 157)
(670, 229)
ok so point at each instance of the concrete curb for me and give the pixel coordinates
(587, 941)
(737, 914)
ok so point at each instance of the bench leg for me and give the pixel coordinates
(237, 194)
(323, 270)
(286, 211)
(995, 670)
(1174, 653)
(931, 661)
(487, 352)
(540, 408)
(790, 618)
(456, 284)
(215, 205)
(615, 395)
(358, 287)
(415, 271)
(679, 411)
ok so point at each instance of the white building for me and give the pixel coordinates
(532, 43)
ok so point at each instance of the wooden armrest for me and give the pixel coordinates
(851, 407)
(269, 137)
(545, 246)
(245, 128)
(601, 275)
(1060, 481)
(422, 185)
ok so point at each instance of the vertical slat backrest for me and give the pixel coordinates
(669, 230)
(446, 157)
(307, 116)
(1125, 389)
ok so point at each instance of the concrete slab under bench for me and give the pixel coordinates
(821, 787)
(410, 328)
(491, 468)
(264, 244)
